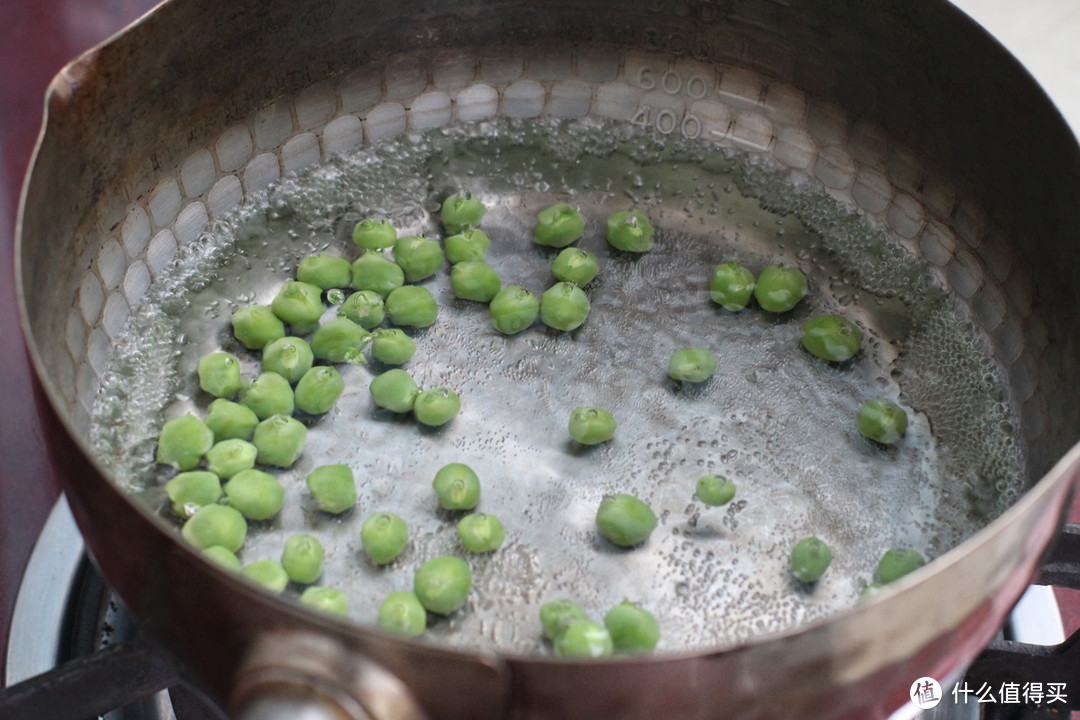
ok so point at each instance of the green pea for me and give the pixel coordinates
(576, 266)
(215, 525)
(475, 281)
(219, 374)
(325, 599)
(364, 307)
(183, 442)
(267, 574)
(418, 257)
(340, 340)
(591, 425)
(457, 486)
(374, 271)
(411, 305)
(625, 520)
(831, 338)
(279, 440)
(299, 305)
(402, 614)
(556, 616)
(810, 559)
(715, 490)
(302, 558)
(257, 495)
(881, 420)
(256, 325)
(558, 225)
(460, 212)
(436, 406)
(228, 457)
(290, 357)
(270, 394)
(469, 245)
(324, 271)
(692, 365)
(779, 288)
(228, 420)
(318, 390)
(584, 639)
(333, 487)
(384, 536)
(191, 490)
(222, 557)
(630, 231)
(731, 286)
(442, 584)
(392, 346)
(394, 390)
(374, 234)
(564, 306)
(632, 628)
(513, 309)
(481, 532)
(898, 562)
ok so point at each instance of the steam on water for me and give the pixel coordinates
(774, 419)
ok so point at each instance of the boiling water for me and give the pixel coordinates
(777, 421)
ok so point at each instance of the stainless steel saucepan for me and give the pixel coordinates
(892, 151)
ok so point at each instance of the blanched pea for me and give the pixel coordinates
(363, 307)
(625, 520)
(340, 340)
(632, 628)
(436, 406)
(394, 390)
(222, 557)
(558, 226)
(376, 272)
(302, 558)
(457, 487)
(731, 286)
(591, 425)
(513, 309)
(556, 616)
(256, 325)
(692, 365)
(228, 420)
(564, 306)
(831, 337)
(267, 574)
(584, 639)
(216, 525)
(191, 490)
(481, 532)
(318, 390)
(299, 305)
(392, 346)
(183, 442)
(279, 440)
(442, 584)
(324, 271)
(402, 613)
(418, 257)
(333, 487)
(630, 231)
(257, 495)
(779, 288)
(372, 234)
(475, 281)
(881, 420)
(469, 245)
(384, 536)
(290, 357)
(810, 558)
(898, 562)
(228, 457)
(219, 374)
(325, 599)
(411, 305)
(715, 490)
(460, 212)
(576, 266)
(270, 394)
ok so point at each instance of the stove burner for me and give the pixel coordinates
(69, 628)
